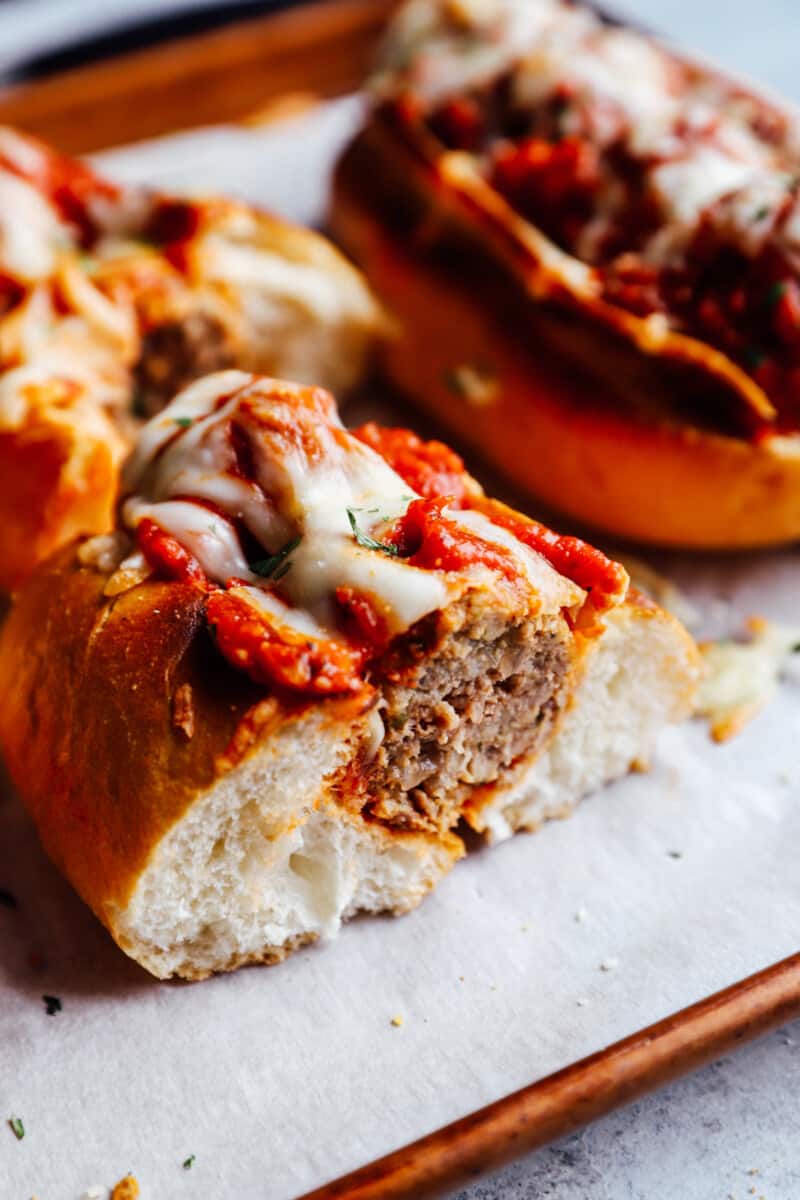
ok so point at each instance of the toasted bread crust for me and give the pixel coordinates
(90, 730)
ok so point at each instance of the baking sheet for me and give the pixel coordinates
(677, 883)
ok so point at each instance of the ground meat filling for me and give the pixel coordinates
(470, 711)
(176, 353)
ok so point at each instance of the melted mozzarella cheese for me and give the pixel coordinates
(26, 155)
(294, 495)
(606, 67)
(688, 185)
(442, 48)
(308, 480)
(30, 230)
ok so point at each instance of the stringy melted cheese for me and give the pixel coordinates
(305, 473)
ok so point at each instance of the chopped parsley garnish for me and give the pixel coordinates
(453, 381)
(184, 422)
(367, 542)
(276, 566)
(796, 648)
(188, 1163)
(17, 1128)
(138, 406)
(760, 213)
(52, 1005)
(775, 292)
(7, 898)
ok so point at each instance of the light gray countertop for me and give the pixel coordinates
(729, 1132)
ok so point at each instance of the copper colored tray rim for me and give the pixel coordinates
(577, 1094)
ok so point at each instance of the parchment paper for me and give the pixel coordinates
(681, 881)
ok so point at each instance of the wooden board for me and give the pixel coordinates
(252, 71)
(228, 75)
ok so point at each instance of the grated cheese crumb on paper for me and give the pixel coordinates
(609, 964)
(126, 1189)
(742, 677)
(397, 1021)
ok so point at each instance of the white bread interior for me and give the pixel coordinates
(267, 860)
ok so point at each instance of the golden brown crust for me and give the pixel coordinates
(88, 728)
(59, 478)
(597, 457)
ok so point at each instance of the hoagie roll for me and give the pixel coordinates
(306, 656)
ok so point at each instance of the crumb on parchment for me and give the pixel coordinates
(126, 1189)
(397, 1021)
(741, 678)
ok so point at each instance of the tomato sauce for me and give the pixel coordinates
(431, 468)
(69, 185)
(279, 656)
(425, 537)
(439, 475)
(166, 555)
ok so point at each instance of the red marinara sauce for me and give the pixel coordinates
(69, 185)
(269, 652)
(425, 538)
(431, 468)
(279, 656)
(439, 475)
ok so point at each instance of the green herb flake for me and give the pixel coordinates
(184, 422)
(398, 720)
(275, 566)
(796, 648)
(188, 1163)
(138, 405)
(775, 292)
(761, 213)
(16, 1127)
(52, 1005)
(367, 542)
(754, 357)
(454, 382)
